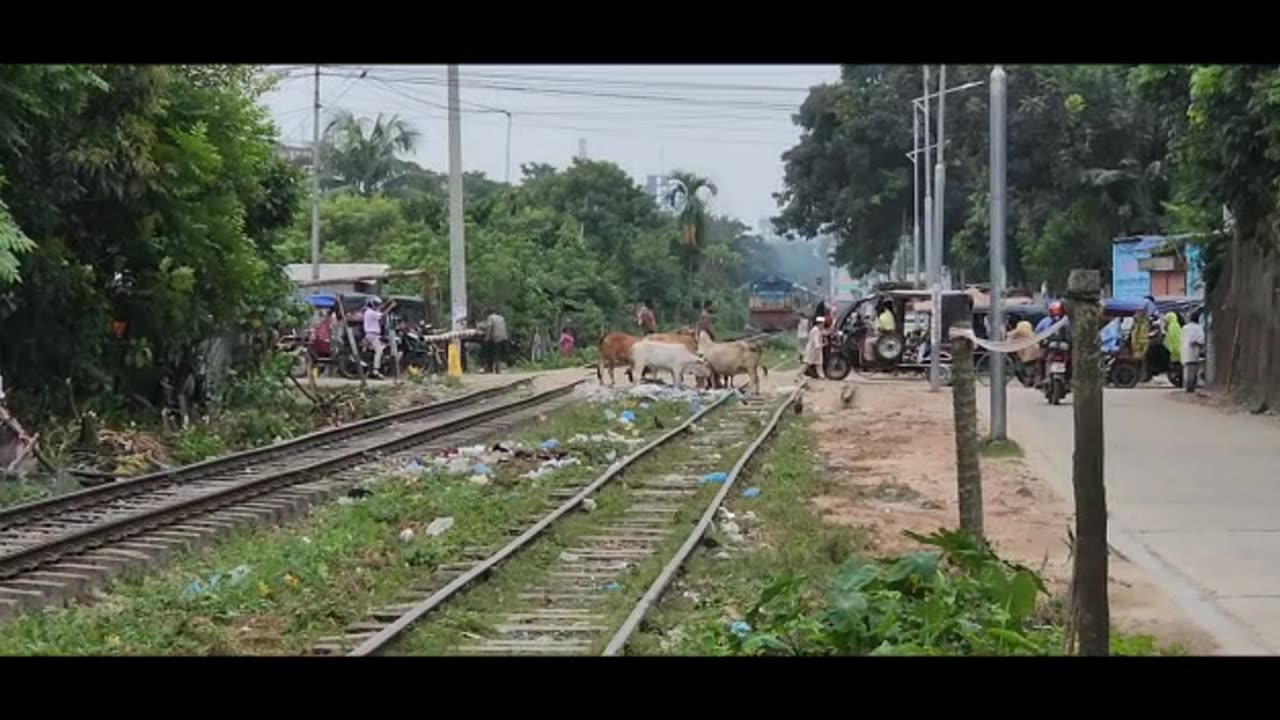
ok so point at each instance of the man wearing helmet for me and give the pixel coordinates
(372, 322)
(1057, 311)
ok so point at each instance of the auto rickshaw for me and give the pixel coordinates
(314, 348)
(1015, 311)
(856, 345)
(1123, 369)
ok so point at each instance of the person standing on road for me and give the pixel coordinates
(495, 341)
(567, 343)
(645, 319)
(371, 322)
(704, 322)
(1193, 341)
(813, 349)
(1173, 337)
(802, 335)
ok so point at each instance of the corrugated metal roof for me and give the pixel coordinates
(301, 272)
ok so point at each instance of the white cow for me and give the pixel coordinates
(675, 359)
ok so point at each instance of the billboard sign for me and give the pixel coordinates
(1130, 282)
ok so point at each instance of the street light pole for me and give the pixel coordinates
(915, 195)
(508, 171)
(935, 240)
(457, 245)
(999, 100)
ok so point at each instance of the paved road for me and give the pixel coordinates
(1194, 495)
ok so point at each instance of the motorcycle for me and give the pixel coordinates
(1057, 363)
(417, 352)
(349, 368)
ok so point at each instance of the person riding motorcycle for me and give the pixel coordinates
(1057, 312)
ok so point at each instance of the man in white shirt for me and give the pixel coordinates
(1193, 341)
(372, 322)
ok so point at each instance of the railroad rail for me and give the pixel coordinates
(64, 546)
(561, 613)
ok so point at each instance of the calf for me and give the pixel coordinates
(731, 358)
(673, 358)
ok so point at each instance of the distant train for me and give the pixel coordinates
(776, 302)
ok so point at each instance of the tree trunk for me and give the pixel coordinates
(965, 409)
(1089, 576)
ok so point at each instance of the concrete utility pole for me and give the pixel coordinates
(315, 181)
(457, 245)
(915, 195)
(999, 399)
(936, 244)
(928, 235)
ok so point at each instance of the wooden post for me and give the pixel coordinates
(351, 340)
(1091, 613)
(965, 408)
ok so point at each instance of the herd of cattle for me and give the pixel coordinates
(712, 363)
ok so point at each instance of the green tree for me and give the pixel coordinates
(141, 186)
(691, 194)
(363, 155)
(13, 242)
(1087, 162)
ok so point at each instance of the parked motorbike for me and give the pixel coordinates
(417, 352)
(1057, 363)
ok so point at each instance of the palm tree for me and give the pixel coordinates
(687, 193)
(366, 162)
(690, 194)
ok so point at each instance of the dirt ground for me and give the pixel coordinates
(891, 457)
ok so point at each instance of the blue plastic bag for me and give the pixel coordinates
(551, 444)
(740, 628)
(611, 586)
(627, 416)
(715, 477)
(751, 492)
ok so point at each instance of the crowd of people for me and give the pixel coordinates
(1160, 339)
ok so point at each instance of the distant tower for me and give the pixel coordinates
(582, 148)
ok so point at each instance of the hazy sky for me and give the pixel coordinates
(726, 122)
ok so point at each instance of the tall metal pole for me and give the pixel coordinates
(315, 181)
(508, 173)
(999, 99)
(935, 243)
(915, 194)
(457, 246)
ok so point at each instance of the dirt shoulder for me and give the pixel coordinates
(890, 458)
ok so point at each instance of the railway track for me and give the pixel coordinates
(66, 546)
(653, 504)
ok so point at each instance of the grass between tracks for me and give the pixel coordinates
(279, 589)
(799, 586)
(474, 616)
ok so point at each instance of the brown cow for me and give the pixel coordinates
(615, 351)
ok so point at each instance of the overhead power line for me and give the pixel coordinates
(633, 97)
